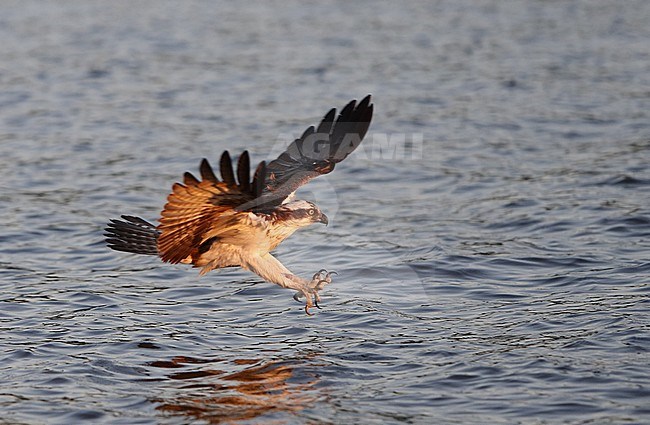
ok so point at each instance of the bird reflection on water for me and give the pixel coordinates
(259, 388)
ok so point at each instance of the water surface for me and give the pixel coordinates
(493, 268)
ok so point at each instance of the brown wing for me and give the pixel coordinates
(316, 152)
(194, 208)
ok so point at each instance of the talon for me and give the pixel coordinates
(296, 296)
(309, 304)
(329, 274)
(318, 274)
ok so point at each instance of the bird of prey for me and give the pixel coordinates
(234, 220)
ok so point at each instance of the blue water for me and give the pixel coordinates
(491, 234)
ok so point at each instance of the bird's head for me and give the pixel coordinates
(300, 214)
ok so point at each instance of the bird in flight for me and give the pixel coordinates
(236, 221)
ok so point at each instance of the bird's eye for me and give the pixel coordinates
(311, 211)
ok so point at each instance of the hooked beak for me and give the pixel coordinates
(323, 219)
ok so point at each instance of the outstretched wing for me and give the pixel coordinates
(200, 209)
(195, 207)
(314, 153)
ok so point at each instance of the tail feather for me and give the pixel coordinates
(132, 235)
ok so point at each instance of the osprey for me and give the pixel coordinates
(214, 223)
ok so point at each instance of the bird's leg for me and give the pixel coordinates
(269, 268)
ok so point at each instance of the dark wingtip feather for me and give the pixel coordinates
(243, 172)
(364, 102)
(347, 110)
(308, 132)
(206, 171)
(225, 165)
(189, 179)
(351, 127)
(325, 126)
(366, 110)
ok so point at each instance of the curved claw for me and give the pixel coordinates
(307, 310)
(329, 274)
(316, 305)
(318, 274)
(296, 296)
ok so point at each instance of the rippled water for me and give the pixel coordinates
(491, 236)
